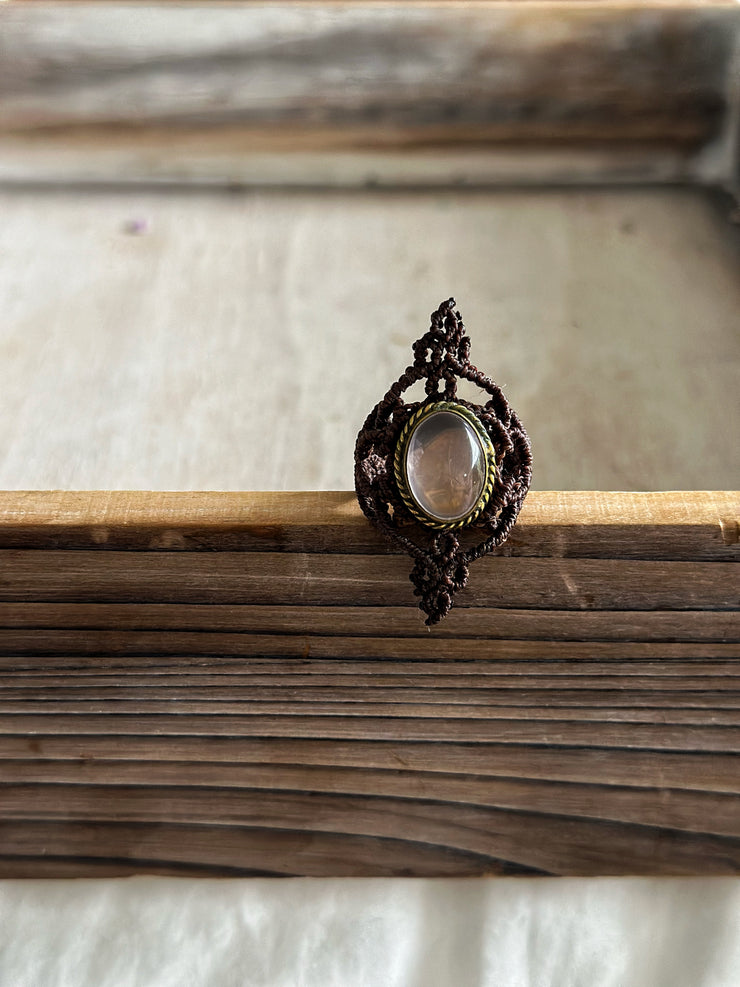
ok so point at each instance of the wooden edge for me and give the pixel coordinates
(166, 160)
(673, 524)
(223, 509)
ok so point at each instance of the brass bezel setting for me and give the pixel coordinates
(399, 464)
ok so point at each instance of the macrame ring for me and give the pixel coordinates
(384, 487)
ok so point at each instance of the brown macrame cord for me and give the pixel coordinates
(441, 562)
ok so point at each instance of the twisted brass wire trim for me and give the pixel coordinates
(399, 464)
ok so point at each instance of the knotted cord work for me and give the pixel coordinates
(441, 558)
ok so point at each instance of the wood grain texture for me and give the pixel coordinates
(241, 684)
(424, 93)
(672, 525)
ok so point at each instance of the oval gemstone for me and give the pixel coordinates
(445, 466)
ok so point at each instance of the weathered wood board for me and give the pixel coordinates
(357, 93)
(241, 684)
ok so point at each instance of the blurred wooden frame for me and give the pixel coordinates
(240, 684)
(312, 93)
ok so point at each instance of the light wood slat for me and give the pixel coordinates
(348, 159)
(330, 94)
(290, 578)
(690, 526)
(285, 710)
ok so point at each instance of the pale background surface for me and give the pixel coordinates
(239, 342)
(191, 356)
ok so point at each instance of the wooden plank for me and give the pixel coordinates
(238, 852)
(678, 809)
(513, 726)
(388, 674)
(627, 768)
(298, 625)
(577, 706)
(254, 834)
(356, 93)
(484, 705)
(678, 525)
(348, 580)
(282, 648)
(222, 683)
(469, 623)
(39, 671)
